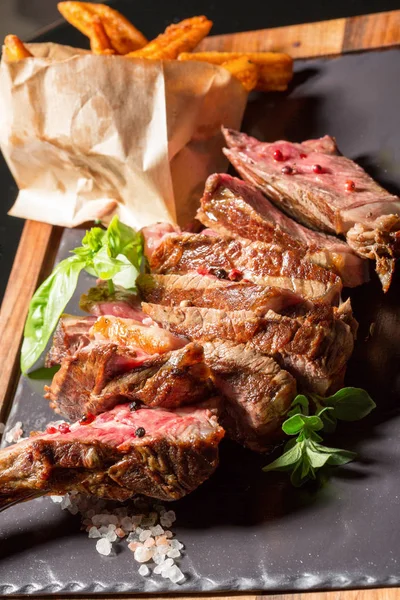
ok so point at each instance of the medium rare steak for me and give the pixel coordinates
(73, 333)
(158, 453)
(314, 348)
(325, 191)
(193, 289)
(263, 264)
(101, 375)
(257, 393)
(233, 208)
(122, 303)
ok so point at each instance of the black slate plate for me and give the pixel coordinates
(245, 530)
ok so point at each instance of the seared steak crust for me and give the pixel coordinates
(257, 393)
(341, 199)
(193, 289)
(101, 375)
(71, 333)
(314, 347)
(105, 458)
(233, 208)
(260, 263)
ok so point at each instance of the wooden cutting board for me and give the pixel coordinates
(39, 241)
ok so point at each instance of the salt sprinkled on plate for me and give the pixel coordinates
(142, 524)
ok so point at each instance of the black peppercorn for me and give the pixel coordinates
(221, 273)
(140, 432)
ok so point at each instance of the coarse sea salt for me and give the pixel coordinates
(141, 528)
(104, 547)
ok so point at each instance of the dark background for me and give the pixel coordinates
(26, 17)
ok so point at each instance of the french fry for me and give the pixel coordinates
(275, 69)
(177, 38)
(123, 35)
(244, 70)
(15, 49)
(99, 40)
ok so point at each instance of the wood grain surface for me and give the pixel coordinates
(315, 39)
(40, 241)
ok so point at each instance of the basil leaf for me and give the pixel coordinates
(127, 275)
(350, 404)
(285, 462)
(122, 239)
(104, 266)
(46, 307)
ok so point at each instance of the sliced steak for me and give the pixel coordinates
(154, 234)
(263, 264)
(257, 393)
(107, 458)
(101, 375)
(234, 208)
(325, 191)
(99, 301)
(193, 289)
(71, 333)
(314, 348)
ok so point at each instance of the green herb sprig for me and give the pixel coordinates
(304, 455)
(114, 255)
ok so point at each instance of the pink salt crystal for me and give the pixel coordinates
(133, 545)
(120, 532)
(161, 540)
(149, 542)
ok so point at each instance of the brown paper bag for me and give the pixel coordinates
(87, 137)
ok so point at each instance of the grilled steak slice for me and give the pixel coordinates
(263, 264)
(154, 234)
(257, 393)
(314, 348)
(340, 198)
(71, 333)
(101, 375)
(193, 289)
(99, 301)
(234, 208)
(106, 458)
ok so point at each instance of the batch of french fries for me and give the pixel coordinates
(110, 33)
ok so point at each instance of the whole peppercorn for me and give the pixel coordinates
(349, 186)
(286, 170)
(220, 273)
(278, 156)
(86, 419)
(317, 169)
(140, 432)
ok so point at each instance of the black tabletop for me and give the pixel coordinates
(26, 17)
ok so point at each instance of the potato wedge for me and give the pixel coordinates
(177, 38)
(99, 40)
(15, 49)
(275, 69)
(123, 35)
(244, 70)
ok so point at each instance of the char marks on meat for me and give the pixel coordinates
(314, 348)
(340, 198)
(106, 459)
(234, 208)
(263, 264)
(257, 393)
(71, 334)
(192, 289)
(101, 375)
